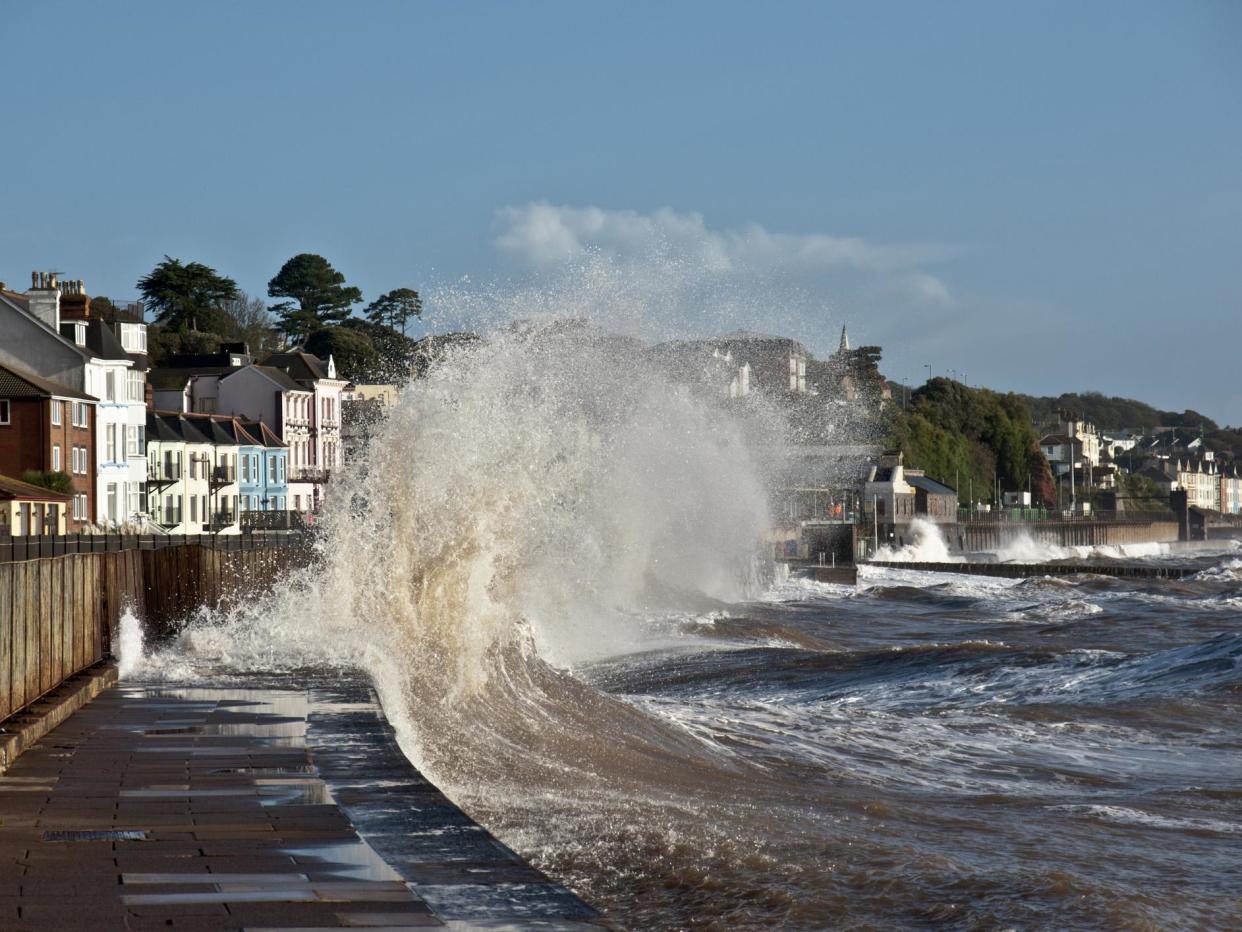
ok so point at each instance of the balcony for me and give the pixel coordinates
(163, 473)
(220, 521)
(222, 475)
(309, 474)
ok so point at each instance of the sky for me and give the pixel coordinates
(1039, 198)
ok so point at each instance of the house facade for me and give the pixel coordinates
(178, 460)
(314, 457)
(82, 353)
(49, 427)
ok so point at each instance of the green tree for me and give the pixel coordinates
(352, 351)
(316, 295)
(55, 481)
(394, 351)
(395, 308)
(187, 296)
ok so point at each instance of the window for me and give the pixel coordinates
(193, 466)
(56, 456)
(110, 385)
(4, 411)
(134, 387)
(79, 415)
(111, 448)
(131, 441)
(112, 502)
(134, 338)
(56, 420)
(271, 469)
(193, 507)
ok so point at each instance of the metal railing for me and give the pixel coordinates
(163, 472)
(309, 474)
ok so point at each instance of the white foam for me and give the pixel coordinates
(130, 646)
(928, 546)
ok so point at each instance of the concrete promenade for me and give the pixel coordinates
(270, 807)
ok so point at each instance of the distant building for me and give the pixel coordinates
(49, 427)
(363, 407)
(1230, 490)
(774, 364)
(1198, 476)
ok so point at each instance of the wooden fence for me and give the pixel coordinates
(59, 615)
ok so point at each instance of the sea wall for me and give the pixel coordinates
(59, 615)
(974, 537)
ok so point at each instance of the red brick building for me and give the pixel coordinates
(49, 427)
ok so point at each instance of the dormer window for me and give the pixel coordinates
(79, 334)
(134, 338)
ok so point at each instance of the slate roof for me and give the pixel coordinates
(18, 383)
(101, 341)
(262, 434)
(279, 376)
(15, 488)
(930, 486)
(166, 380)
(301, 366)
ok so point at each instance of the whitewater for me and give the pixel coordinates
(549, 564)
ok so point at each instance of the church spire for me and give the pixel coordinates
(845, 341)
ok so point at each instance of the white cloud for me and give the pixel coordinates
(542, 235)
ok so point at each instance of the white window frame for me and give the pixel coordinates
(57, 417)
(5, 413)
(56, 457)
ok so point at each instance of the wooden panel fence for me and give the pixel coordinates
(59, 615)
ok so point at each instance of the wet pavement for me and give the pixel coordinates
(249, 809)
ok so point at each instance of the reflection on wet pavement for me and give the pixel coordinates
(249, 809)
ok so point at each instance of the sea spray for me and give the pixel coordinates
(927, 545)
(130, 644)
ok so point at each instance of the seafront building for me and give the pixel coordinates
(49, 427)
(81, 353)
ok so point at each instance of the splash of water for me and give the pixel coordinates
(130, 644)
(928, 545)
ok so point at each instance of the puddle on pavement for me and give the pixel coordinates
(355, 859)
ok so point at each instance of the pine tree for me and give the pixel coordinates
(395, 308)
(317, 295)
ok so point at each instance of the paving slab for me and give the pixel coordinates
(284, 806)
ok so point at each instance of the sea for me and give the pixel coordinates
(548, 564)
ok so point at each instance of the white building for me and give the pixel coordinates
(178, 490)
(192, 462)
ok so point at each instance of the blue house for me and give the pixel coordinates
(269, 469)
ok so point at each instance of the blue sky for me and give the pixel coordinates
(1046, 198)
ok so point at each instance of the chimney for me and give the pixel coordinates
(74, 302)
(44, 298)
